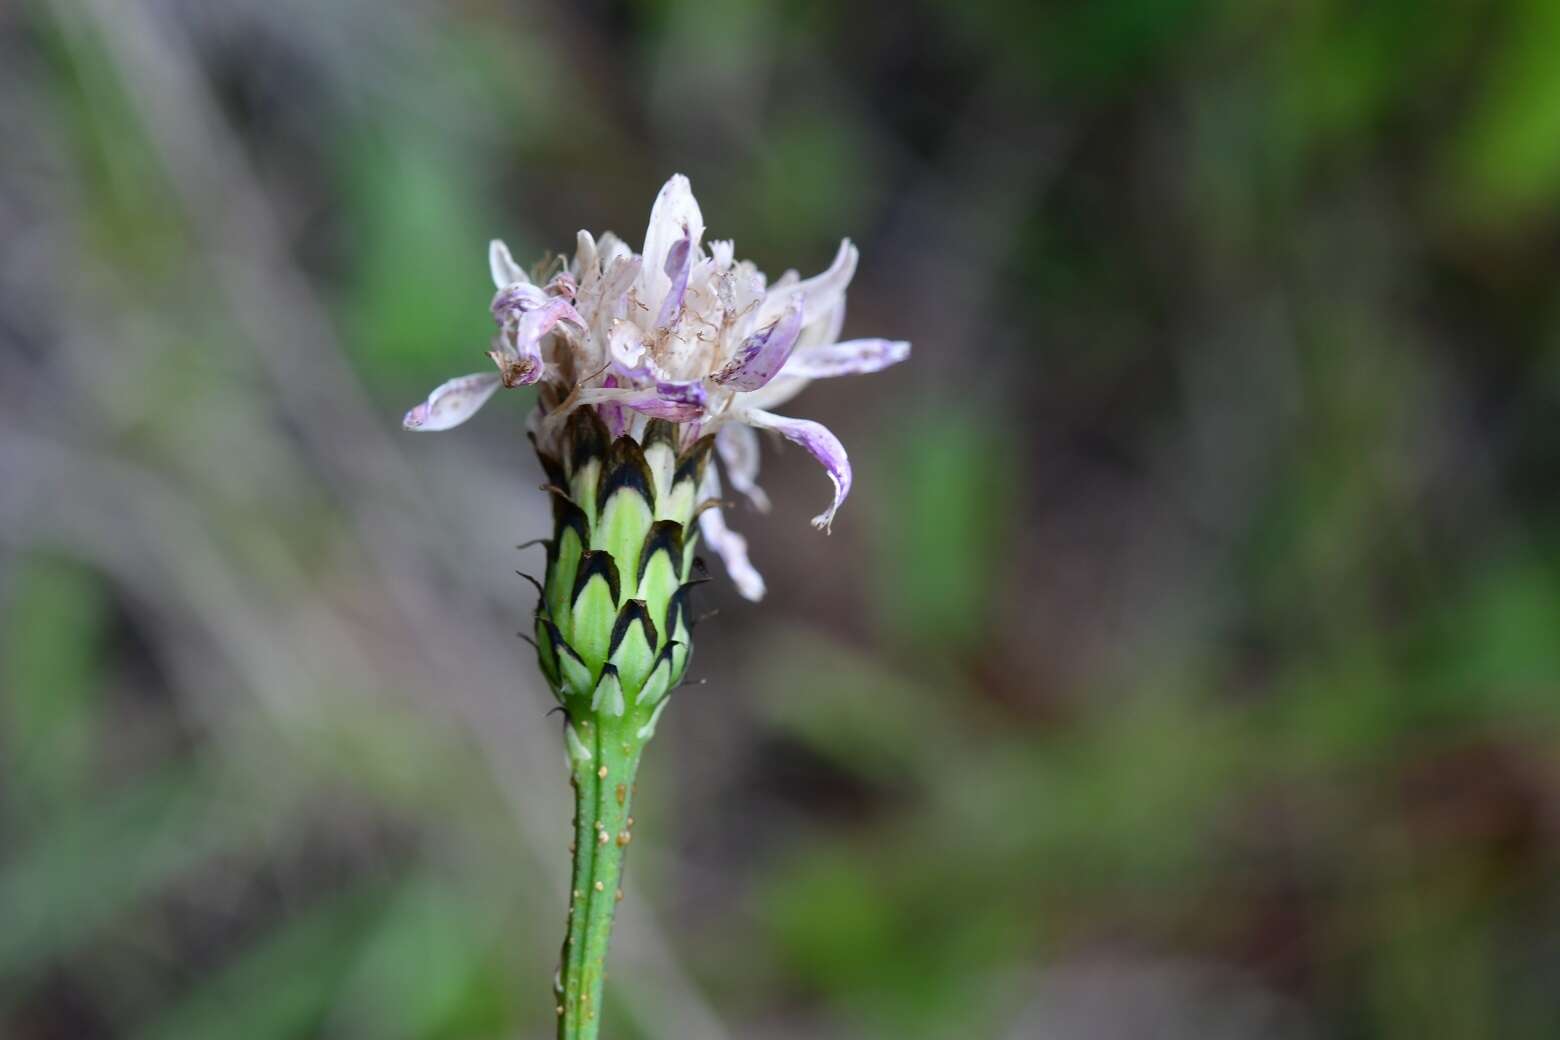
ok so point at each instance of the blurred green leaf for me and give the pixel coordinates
(417, 305)
(427, 968)
(1503, 160)
(947, 513)
(51, 646)
(283, 985)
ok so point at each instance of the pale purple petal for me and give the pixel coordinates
(612, 413)
(823, 445)
(503, 267)
(679, 392)
(738, 447)
(760, 357)
(853, 357)
(730, 546)
(452, 403)
(679, 262)
(661, 408)
(690, 392)
(677, 402)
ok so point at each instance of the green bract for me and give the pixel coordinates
(612, 624)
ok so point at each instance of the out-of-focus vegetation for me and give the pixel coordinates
(1186, 662)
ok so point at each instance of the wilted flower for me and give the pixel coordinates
(679, 333)
(646, 365)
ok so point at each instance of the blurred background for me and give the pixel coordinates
(1186, 662)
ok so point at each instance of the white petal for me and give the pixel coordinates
(739, 292)
(819, 292)
(675, 214)
(853, 357)
(738, 447)
(730, 546)
(822, 329)
(611, 248)
(452, 403)
(823, 445)
(626, 344)
(585, 264)
(615, 283)
(505, 271)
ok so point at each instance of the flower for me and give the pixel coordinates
(677, 332)
(649, 368)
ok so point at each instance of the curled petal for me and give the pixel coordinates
(515, 299)
(730, 546)
(519, 351)
(820, 292)
(738, 447)
(676, 402)
(535, 324)
(853, 357)
(762, 355)
(505, 271)
(679, 262)
(452, 403)
(823, 445)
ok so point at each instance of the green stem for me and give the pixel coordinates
(603, 798)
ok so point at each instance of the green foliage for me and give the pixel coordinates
(950, 506)
(409, 211)
(51, 649)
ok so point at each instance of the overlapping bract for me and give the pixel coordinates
(613, 626)
(677, 333)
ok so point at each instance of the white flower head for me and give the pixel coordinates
(681, 331)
